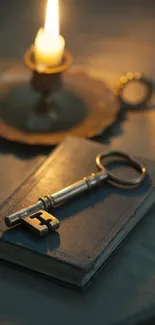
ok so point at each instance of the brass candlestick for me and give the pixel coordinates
(43, 105)
(46, 81)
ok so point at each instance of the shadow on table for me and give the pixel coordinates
(22, 151)
(113, 130)
(116, 129)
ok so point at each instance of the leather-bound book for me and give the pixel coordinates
(92, 225)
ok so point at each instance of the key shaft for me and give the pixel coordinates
(61, 197)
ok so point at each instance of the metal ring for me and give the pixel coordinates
(128, 78)
(131, 161)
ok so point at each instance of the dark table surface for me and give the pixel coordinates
(112, 37)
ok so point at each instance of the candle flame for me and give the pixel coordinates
(52, 18)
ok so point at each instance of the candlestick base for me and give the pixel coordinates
(82, 106)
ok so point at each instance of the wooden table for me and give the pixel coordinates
(112, 37)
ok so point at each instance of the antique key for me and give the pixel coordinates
(36, 216)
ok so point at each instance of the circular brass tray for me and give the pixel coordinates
(84, 107)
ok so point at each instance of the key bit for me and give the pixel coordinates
(41, 223)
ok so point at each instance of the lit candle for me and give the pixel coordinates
(49, 45)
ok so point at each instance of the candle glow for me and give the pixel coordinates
(49, 45)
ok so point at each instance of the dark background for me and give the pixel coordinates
(112, 37)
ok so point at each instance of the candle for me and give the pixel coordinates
(49, 44)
